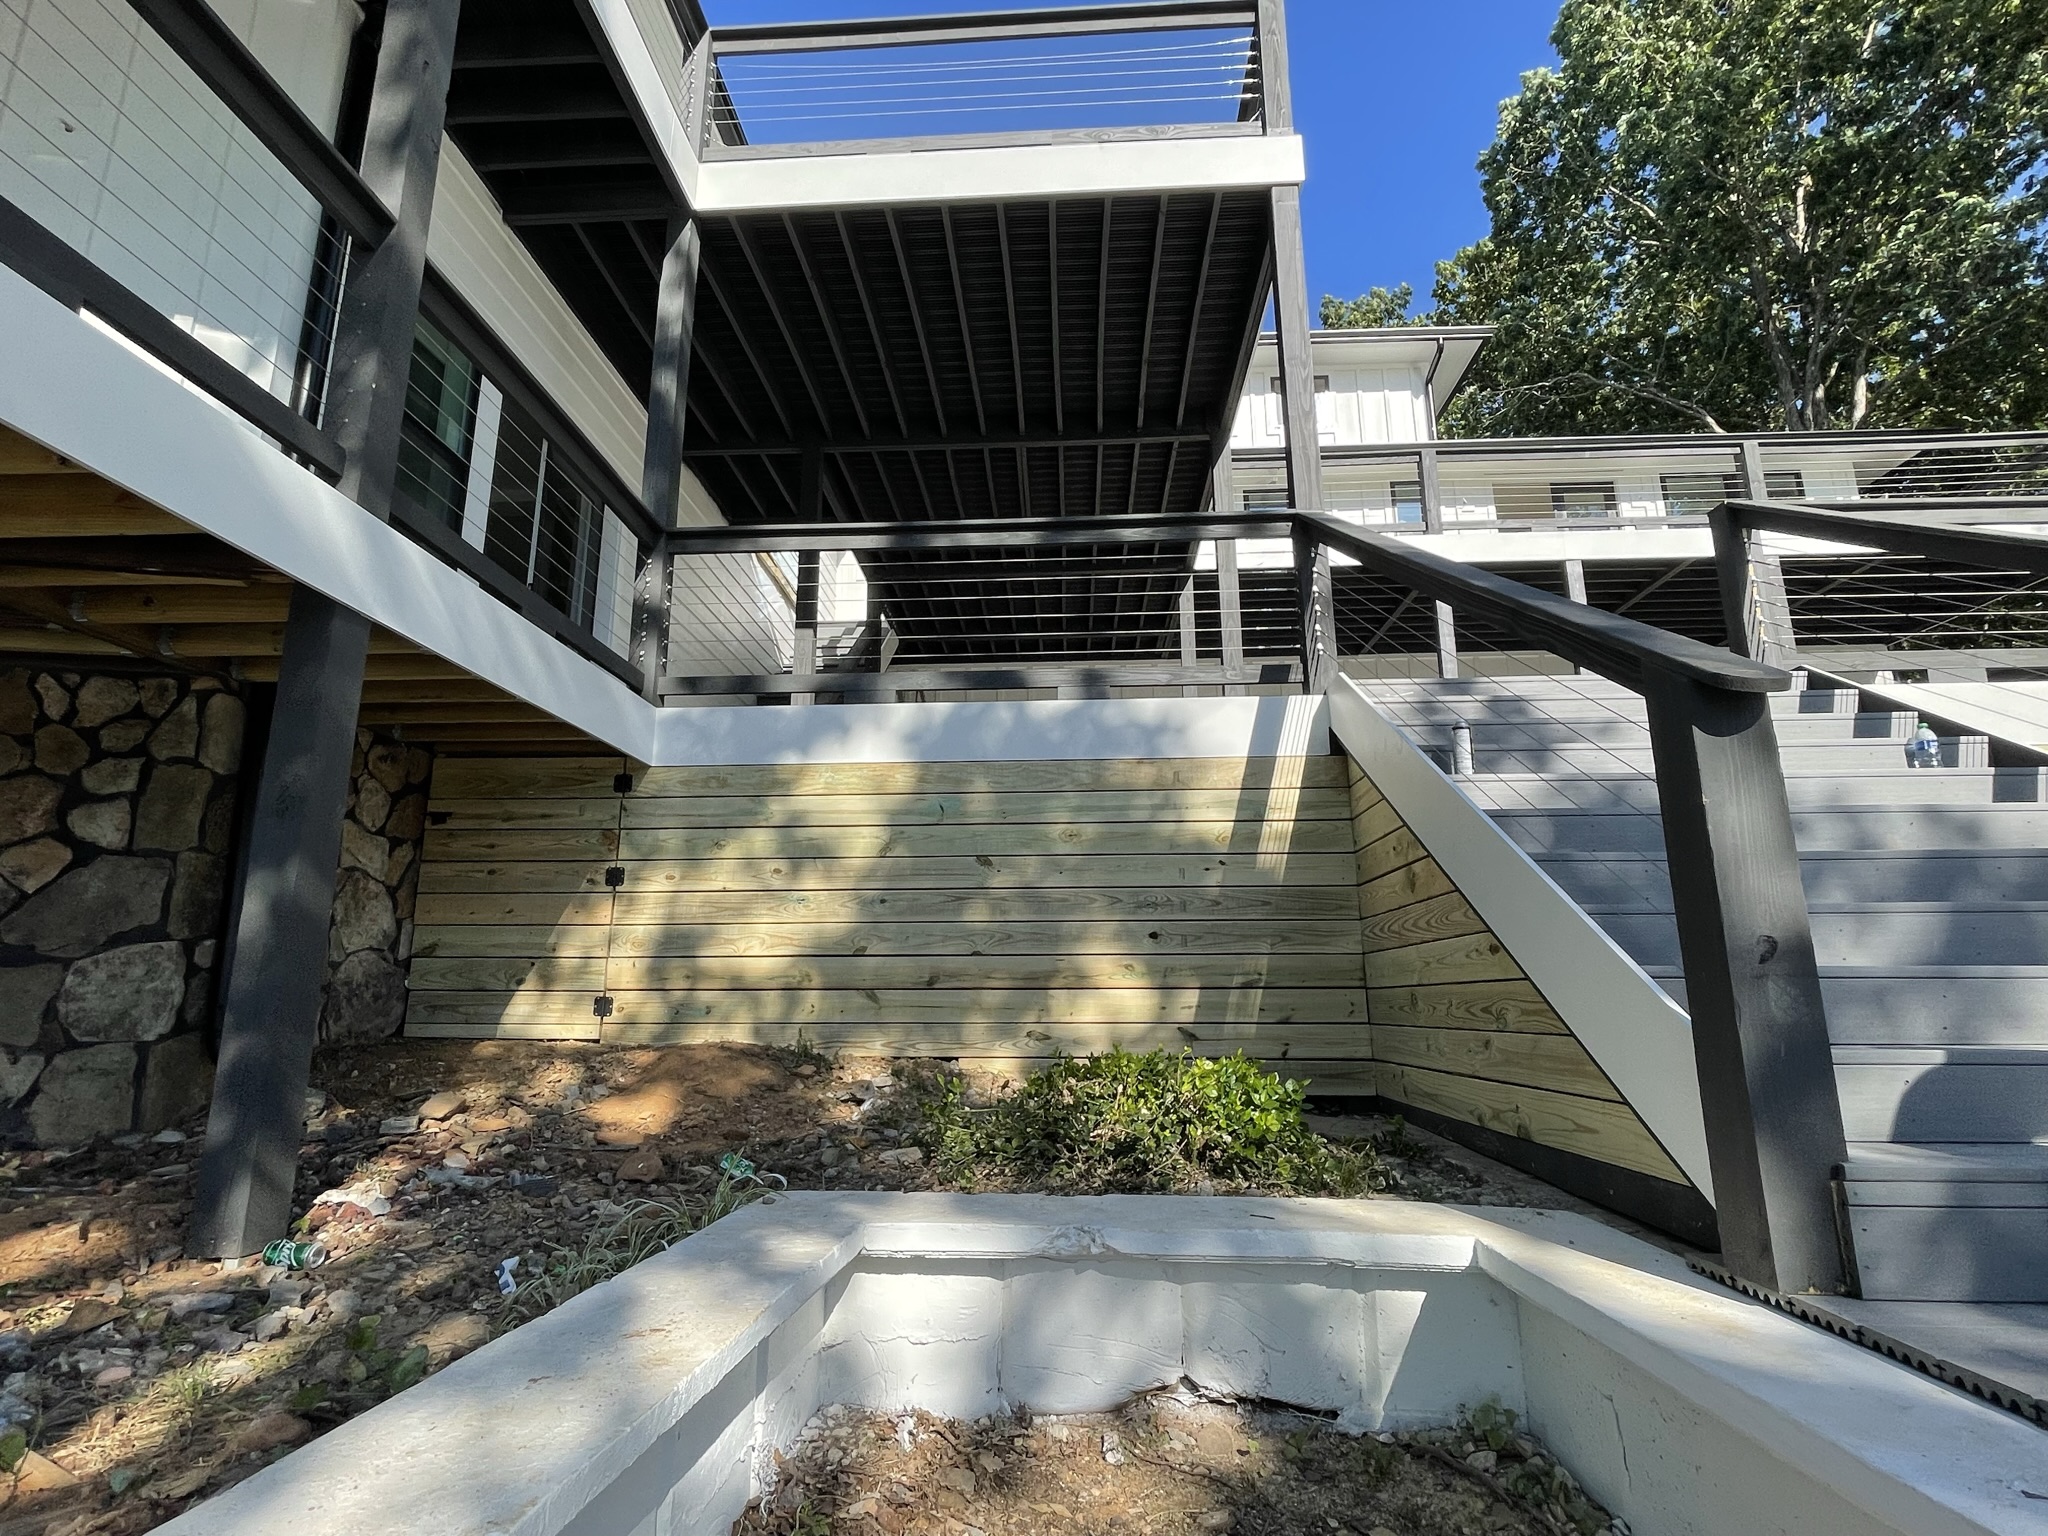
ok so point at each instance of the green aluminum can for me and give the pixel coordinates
(295, 1255)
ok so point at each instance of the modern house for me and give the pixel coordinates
(552, 521)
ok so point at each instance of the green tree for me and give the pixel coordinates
(1763, 214)
(1375, 309)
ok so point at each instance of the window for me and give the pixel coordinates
(1785, 484)
(1583, 498)
(1695, 495)
(1268, 499)
(436, 438)
(1408, 502)
(1322, 384)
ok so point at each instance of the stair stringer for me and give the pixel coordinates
(1633, 1032)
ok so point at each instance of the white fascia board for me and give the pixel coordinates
(643, 78)
(1636, 1034)
(81, 393)
(991, 173)
(1487, 545)
(982, 731)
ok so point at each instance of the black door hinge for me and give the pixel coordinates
(615, 876)
(601, 1006)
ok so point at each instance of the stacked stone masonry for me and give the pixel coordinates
(370, 943)
(117, 825)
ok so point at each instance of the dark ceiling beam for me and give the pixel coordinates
(1672, 574)
(735, 319)
(720, 377)
(789, 340)
(1187, 367)
(1016, 346)
(1059, 383)
(637, 314)
(583, 203)
(867, 305)
(966, 330)
(493, 96)
(502, 47)
(829, 321)
(916, 316)
(1102, 333)
(790, 446)
(1151, 313)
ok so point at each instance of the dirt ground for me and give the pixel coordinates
(144, 1381)
(1167, 1465)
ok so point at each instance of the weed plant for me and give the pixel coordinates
(1128, 1123)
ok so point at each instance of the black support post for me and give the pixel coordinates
(1766, 1072)
(1431, 483)
(1754, 603)
(1297, 368)
(270, 1011)
(1318, 613)
(668, 395)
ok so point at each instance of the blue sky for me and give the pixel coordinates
(1395, 100)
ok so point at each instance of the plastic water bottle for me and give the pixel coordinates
(1925, 751)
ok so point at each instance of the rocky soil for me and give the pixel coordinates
(1167, 1465)
(141, 1382)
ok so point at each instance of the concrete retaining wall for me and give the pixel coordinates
(652, 1405)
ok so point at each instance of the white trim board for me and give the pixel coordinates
(81, 393)
(1037, 730)
(1636, 1034)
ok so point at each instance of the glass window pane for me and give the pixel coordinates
(1583, 498)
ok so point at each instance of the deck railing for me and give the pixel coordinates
(1184, 68)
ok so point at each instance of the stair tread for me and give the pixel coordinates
(1941, 1055)
(1882, 1162)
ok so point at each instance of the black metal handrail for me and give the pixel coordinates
(1891, 531)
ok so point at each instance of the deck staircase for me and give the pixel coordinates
(1928, 888)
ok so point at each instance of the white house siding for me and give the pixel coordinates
(110, 142)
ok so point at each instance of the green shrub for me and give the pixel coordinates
(1131, 1123)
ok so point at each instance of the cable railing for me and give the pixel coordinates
(1190, 66)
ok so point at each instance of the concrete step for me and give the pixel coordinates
(1952, 1222)
(1637, 791)
(1642, 883)
(1963, 1093)
(1837, 828)
(1926, 934)
(1923, 1005)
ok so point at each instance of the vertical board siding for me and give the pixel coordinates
(1002, 911)
(1458, 1028)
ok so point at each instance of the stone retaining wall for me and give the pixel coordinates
(117, 820)
(370, 944)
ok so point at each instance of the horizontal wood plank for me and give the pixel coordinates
(561, 908)
(1166, 936)
(1231, 773)
(1384, 855)
(1277, 841)
(972, 1038)
(522, 845)
(978, 808)
(524, 941)
(1333, 1016)
(1438, 917)
(1408, 884)
(1476, 957)
(987, 906)
(954, 872)
(555, 778)
(1375, 822)
(968, 972)
(1557, 1062)
(499, 1029)
(526, 815)
(1595, 1128)
(1510, 1005)
(505, 973)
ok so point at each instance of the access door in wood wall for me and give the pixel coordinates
(992, 910)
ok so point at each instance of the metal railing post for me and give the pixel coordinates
(1760, 1040)
(652, 594)
(1431, 482)
(804, 658)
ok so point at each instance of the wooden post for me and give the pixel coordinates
(1766, 1070)
(270, 1007)
(1318, 613)
(1297, 367)
(1190, 640)
(1230, 610)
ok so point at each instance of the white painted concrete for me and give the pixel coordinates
(653, 1404)
(995, 731)
(1641, 1039)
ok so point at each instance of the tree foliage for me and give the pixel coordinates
(1375, 309)
(1763, 214)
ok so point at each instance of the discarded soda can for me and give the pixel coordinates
(295, 1255)
(506, 1284)
(733, 1166)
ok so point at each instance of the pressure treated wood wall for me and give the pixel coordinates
(1457, 1028)
(992, 910)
